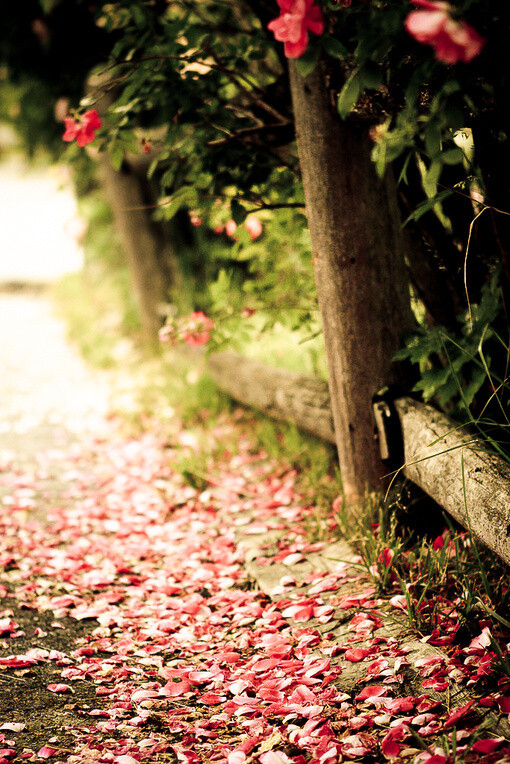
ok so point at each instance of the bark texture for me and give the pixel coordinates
(149, 257)
(281, 394)
(360, 272)
(458, 472)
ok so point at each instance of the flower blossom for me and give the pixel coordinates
(296, 19)
(452, 40)
(82, 129)
(194, 329)
(254, 227)
(230, 227)
(197, 329)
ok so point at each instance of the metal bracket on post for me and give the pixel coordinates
(388, 429)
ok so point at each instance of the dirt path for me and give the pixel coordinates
(39, 223)
(50, 398)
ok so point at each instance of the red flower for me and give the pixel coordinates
(83, 129)
(296, 19)
(452, 40)
(197, 329)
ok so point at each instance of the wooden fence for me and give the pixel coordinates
(447, 462)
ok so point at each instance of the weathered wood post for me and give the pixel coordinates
(360, 272)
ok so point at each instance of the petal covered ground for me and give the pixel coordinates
(175, 654)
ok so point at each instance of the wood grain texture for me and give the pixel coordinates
(456, 469)
(361, 279)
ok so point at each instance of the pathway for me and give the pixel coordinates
(50, 398)
(39, 223)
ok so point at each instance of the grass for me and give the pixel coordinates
(448, 584)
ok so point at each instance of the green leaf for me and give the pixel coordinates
(349, 95)
(308, 61)
(428, 205)
(432, 139)
(452, 156)
(371, 76)
(432, 381)
(470, 390)
(431, 178)
(380, 158)
(117, 157)
(184, 197)
(138, 16)
(238, 211)
(334, 47)
(48, 5)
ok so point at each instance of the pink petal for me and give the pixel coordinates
(274, 757)
(359, 745)
(424, 26)
(356, 654)
(46, 752)
(60, 688)
(236, 757)
(459, 713)
(373, 691)
(488, 745)
(399, 601)
(266, 664)
(13, 726)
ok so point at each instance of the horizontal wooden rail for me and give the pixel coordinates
(441, 457)
(279, 393)
(458, 471)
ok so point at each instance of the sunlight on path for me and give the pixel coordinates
(51, 401)
(42, 377)
(48, 394)
(37, 222)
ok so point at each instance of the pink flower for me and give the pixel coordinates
(231, 228)
(254, 227)
(197, 329)
(168, 333)
(452, 40)
(83, 129)
(296, 19)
